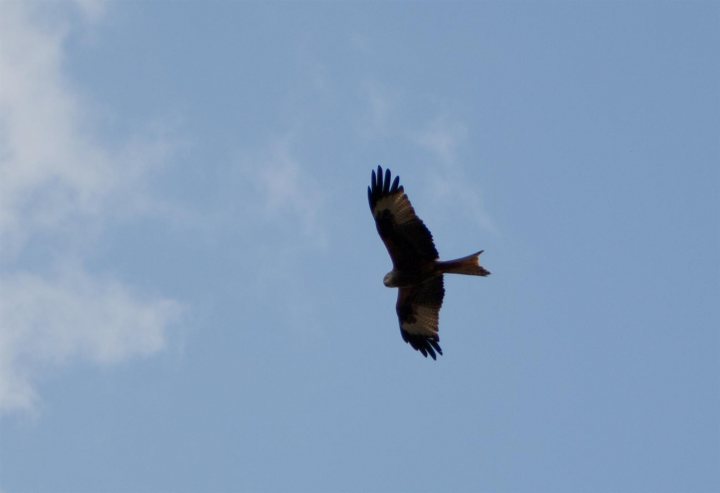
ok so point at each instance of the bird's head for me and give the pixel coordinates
(389, 280)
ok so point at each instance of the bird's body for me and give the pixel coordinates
(417, 270)
(427, 270)
(403, 279)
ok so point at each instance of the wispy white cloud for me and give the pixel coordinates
(54, 173)
(284, 191)
(376, 119)
(277, 212)
(442, 137)
(57, 181)
(50, 320)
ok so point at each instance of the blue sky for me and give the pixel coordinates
(191, 290)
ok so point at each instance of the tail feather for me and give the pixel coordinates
(469, 265)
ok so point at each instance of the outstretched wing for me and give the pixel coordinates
(418, 310)
(407, 239)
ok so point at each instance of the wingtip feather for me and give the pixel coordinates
(386, 183)
(436, 346)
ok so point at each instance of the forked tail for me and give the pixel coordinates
(469, 265)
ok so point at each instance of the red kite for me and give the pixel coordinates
(417, 270)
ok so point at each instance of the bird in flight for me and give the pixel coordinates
(417, 269)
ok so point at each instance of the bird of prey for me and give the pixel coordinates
(417, 270)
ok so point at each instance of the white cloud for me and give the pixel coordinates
(442, 137)
(379, 108)
(57, 181)
(285, 191)
(47, 321)
(53, 174)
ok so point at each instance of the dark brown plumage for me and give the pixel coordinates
(417, 272)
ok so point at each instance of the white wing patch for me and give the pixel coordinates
(425, 323)
(399, 205)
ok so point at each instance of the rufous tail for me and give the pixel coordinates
(469, 265)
